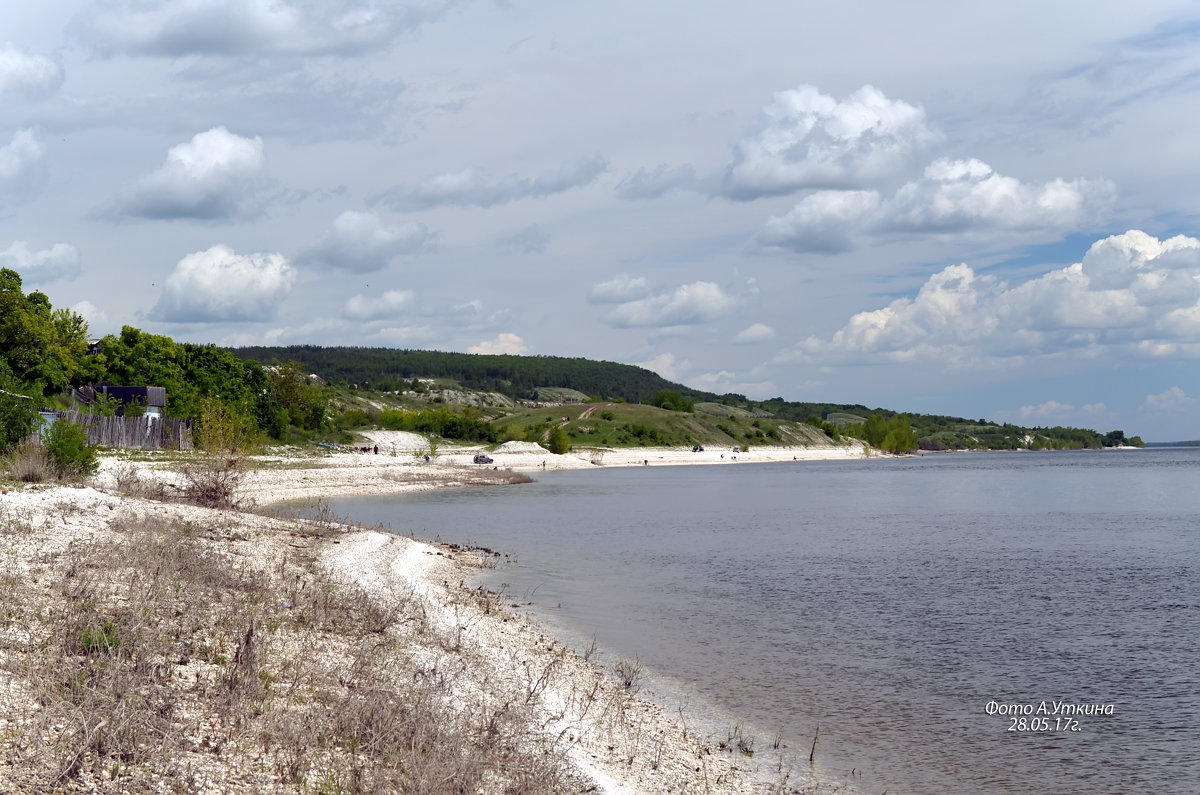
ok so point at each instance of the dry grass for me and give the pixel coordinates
(28, 462)
(156, 659)
(127, 479)
(214, 481)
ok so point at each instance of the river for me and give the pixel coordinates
(986, 623)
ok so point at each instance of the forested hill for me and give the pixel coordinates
(515, 376)
(520, 377)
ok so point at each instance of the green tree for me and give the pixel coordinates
(222, 429)
(671, 400)
(18, 418)
(40, 347)
(900, 436)
(298, 396)
(137, 358)
(69, 451)
(893, 434)
(558, 443)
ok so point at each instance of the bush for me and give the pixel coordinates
(558, 443)
(223, 429)
(352, 418)
(69, 451)
(439, 422)
(214, 481)
(671, 400)
(28, 463)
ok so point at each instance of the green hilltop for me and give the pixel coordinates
(522, 382)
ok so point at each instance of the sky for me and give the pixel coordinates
(982, 210)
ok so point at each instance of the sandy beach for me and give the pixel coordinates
(400, 464)
(592, 715)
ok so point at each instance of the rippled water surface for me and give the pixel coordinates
(888, 600)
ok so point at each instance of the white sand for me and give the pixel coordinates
(528, 456)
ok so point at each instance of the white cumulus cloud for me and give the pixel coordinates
(825, 222)
(1132, 296)
(758, 332)
(96, 319)
(221, 285)
(957, 195)
(215, 175)
(389, 305)
(963, 197)
(805, 139)
(505, 343)
(362, 243)
(28, 75)
(666, 365)
(60, 261)
(686, 305)
(1170, 401)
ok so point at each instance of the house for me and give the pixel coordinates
(154, 398)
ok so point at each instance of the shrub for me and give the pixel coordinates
(28, 463)
(225, 440)
(222, 429)
(440, 422)
(558, 442)
(671, 400)
(69, 451)
(214, 481)
(352, 418)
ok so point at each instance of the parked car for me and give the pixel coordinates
(483, 459)
(697, 448)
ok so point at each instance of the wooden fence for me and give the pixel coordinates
(138, 433)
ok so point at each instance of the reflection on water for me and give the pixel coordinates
(890, 601)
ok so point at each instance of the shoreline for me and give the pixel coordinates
(622, 742)
(400, 466)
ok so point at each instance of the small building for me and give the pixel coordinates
(154, 398)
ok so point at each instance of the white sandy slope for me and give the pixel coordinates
(528, 456)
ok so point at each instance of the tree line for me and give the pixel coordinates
(45, 352)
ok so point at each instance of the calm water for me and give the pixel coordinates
(889, 601)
